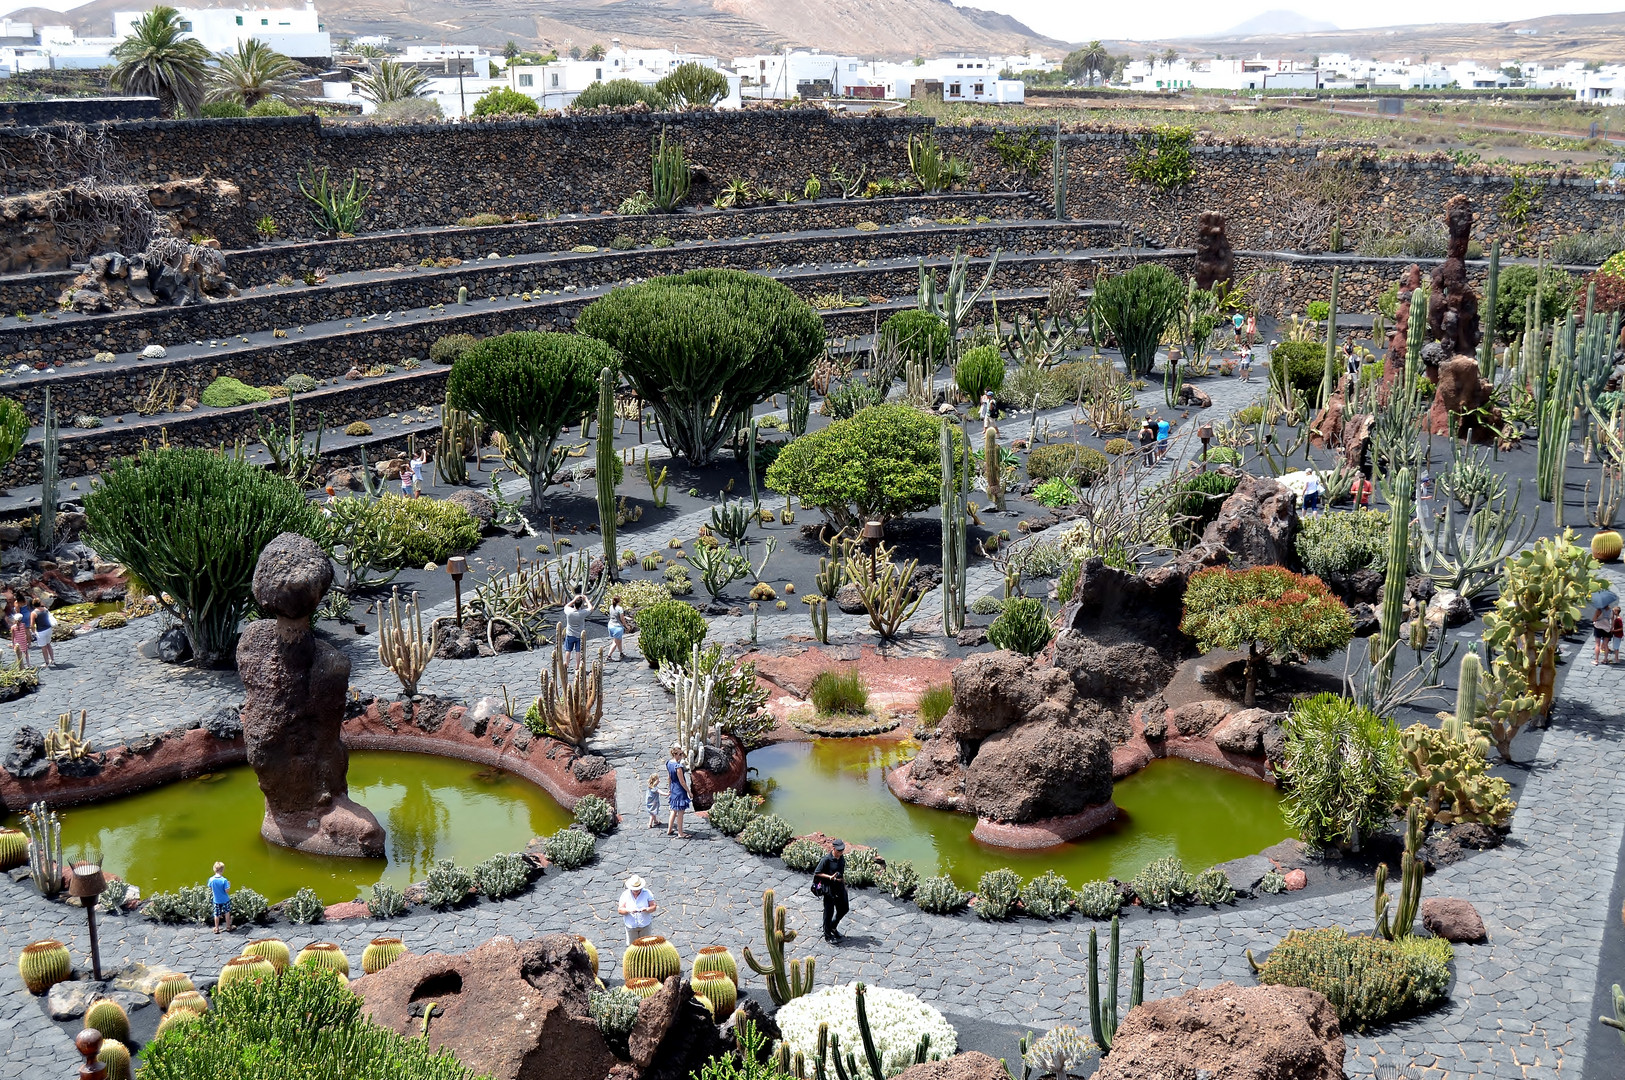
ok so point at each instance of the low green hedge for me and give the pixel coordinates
(1081, 464)
(226, 391)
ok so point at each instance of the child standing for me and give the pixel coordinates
(1619, 635)
(22, 636)
(220, 894)
(651, 800)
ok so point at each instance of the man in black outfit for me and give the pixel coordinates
(829, 876)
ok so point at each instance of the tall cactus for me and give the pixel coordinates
(1469, 685)
(955, 497)
(49, 477)
(1058, 166)
(750, 462)
(786, 979)
(952, 302)
(1401, 497)
(45, 863)
(455, 440)
(798, 403)
(402, 647)
(1103, 1013)
(605, 466)
(1410, 881)
(1486, 344)
(1329, 379)
(993, 469)
(693, 688)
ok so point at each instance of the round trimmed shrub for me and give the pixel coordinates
(272, 107)
(1048, 896)
(704, 346)
(918, 337)
(1023, 626)
(1069, 460)
(225, 392)
(504, 101)
(528, 387)
(766, 835)
(1301, 363)
(668, 631)
(299, 383)
(980, 370)
(446, 350)
(228, 109)
(191, 524)
(358, 428)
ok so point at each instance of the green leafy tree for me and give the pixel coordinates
(702, 347)
(159, 60)
(389, 81)
(1344, 771)
(1138, 307)
(1265, 611)
(188, 526)
(882, 463)
(530, 386)
(693, 84)
(618, 93)
(252, 73)
(1515, 287)
(1087, 62)
(503, 101)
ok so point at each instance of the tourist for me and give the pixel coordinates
(1311, 495)
(1361, 491)
(1148, 438)
(1351, 362)
(637, 908)
(1424, 495)
(21, 636)
(220, 895)
(42, 625)
(1251, 335)
(678, 797)
(651, 800)
(829, 882)
(617, 628)
(575, 629)
(418, 464)
(1602, 633)
(1618, 636)
(1164, 429)
(1238, 322)
(406, 480)
(988, 404)
(1245, 365)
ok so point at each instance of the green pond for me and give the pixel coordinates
(431, 808)
(1171, 807)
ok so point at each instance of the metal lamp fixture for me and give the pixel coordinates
(457, 566)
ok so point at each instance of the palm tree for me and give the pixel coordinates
(253, 73)
(390, 81)
(594, 52)
(1095, 58)
(158, 59)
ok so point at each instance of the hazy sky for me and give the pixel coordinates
(1072, 21)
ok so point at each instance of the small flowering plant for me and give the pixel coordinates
(897, 1020)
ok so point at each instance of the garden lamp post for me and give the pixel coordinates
(873, 532)
(87, 882)
(1205, 433)
(457, 566)
(89, 1043)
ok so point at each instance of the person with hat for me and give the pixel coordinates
(829, 882)
(637, 908)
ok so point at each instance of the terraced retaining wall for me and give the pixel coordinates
(432, 174)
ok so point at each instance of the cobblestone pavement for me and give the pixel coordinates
(1520, 1007)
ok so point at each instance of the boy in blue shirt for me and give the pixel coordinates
(220, 893)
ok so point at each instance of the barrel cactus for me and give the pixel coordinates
(592, 952)
(108, 1017)
(188, 1001)
(1605, 546)
(324, 954)
(644, 987)
(246, 967)
(716, 988)
(169, 988)
(177, 1017)
(272, 949)
(44, 964)
(716, 958)
(651, 958)
(13, 849)
(116, 1056)
(380, 953)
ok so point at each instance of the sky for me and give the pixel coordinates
(1072, 21)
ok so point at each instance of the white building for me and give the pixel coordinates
(556, 84)
(1605, 87)
(296, 32)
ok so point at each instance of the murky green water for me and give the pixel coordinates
(431, 808)
(1172, 807)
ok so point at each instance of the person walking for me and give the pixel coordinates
(1351, 363)
(1311, 496)
(637, 908)
(678, 796)
(575, 629)
(1245, 365)
(1618, 636)
(418, 464)
(1250, 333)
(21, 635)
(617, 628)
(1164, 429)
(42, 623)
(651, 800)
(829, 882)
(220, 896)
(1602, 634)
(1238, 322)
(1148, 438)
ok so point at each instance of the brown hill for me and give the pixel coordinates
(724, 28)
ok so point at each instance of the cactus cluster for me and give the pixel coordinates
(169, 988)
(716, 958)
(1367, 980)
(1410, 877)
(1448, 775)
(1103, 1007)
(786, 979)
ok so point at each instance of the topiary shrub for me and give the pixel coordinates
(446, 350)
(766, 835)
(882, 463)
(668, 631)
(188, 526)
(1081, 464)
(1300, 363)
(916, 337)
(898, 879)
(570, 849)
(595, 815)
(502, 875)
(1048, 896)
(272, 107)
(1023, 626)
(304, 907)
(802, 855)
(730, 812)
(1344, 771)
(1340, 543)
(980, 370)
(299, 383)
(704, 346)
(358, 428)
(1195, 502)
(940, 896)
(528, 387)
(226, 392)
(617, 93)
(1367, 980)
(503, 101)
(998, 894)
(1163, 883)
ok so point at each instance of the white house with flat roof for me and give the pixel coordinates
(296, 32)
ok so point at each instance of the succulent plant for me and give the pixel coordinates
(169, 988)
(1048, 896)
(188, 1001)
(273, 949)
(939, 895)
(387, 902)
(13, 849)
(651, 958)
(176, 1018)
(108, 1017)
(304, 907)
(324, 954)
(718, 989)
(245, 967)
(380, 953)
(116, 1056)
(643, 987)
(43, 964)
(998, 894)
(591, 950)
(716, 958)
(502, 875)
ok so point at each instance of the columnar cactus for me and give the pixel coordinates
(605, 467)
(402, 647)
(1103, 1013)
(1410, 876)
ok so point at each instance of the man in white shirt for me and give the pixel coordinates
(637, 908)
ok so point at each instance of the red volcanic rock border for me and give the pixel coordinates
(160, 759)
(1046, 832)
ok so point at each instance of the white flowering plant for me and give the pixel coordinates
(897, 1021)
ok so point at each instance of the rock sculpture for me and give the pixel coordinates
(1461, 401)
(293, 707)
(1215, 262)
(1394, 363)
(170, 273)
(1452, 307)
